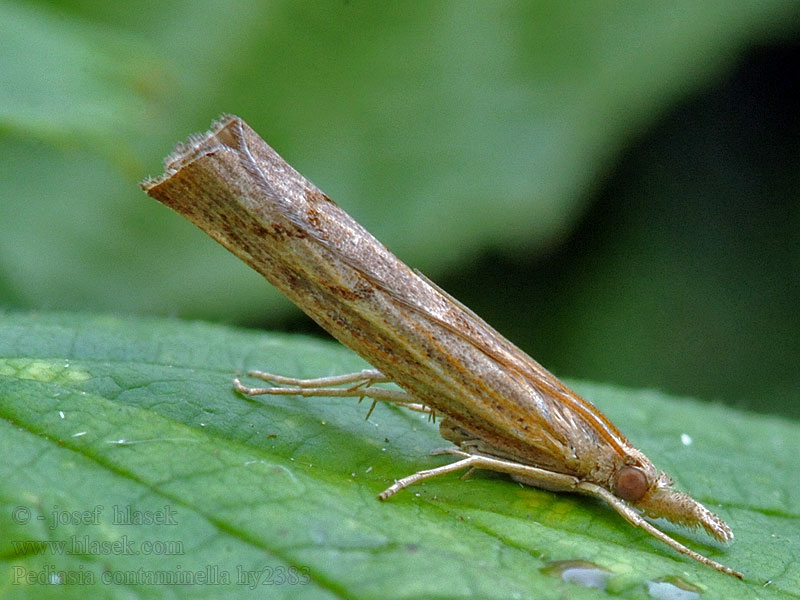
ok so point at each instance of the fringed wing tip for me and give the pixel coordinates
(188, 150)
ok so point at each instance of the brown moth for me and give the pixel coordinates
(502, 410)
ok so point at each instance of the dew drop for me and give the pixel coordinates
(672, 588)
(579, 572)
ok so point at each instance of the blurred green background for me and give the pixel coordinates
(612, 185)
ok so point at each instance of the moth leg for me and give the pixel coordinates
(549, 480)
(544, 479)
(326, 386)
(365, 377)
(635, 519)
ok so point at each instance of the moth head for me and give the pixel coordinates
(656, 498)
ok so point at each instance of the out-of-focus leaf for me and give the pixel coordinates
(444, 127)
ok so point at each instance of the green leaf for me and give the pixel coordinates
(105, 416)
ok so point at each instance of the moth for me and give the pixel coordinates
(501, 410)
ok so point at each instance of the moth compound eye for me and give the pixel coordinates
(630, 484)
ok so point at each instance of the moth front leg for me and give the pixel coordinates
(634, 518)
